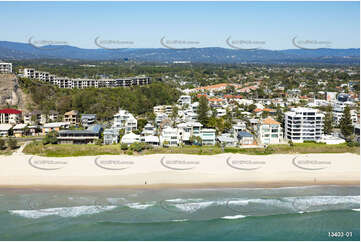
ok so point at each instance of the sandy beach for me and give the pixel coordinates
(152, 171)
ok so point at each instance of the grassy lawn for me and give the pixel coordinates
(64, 150)
(6, 151)
(314, 148)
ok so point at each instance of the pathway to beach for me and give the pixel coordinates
(19, 151)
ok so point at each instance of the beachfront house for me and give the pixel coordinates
(34, 130)
(110, 136)
(20, 130)
(269, 131)
(10, 116)
(169, 137)
(130, 138)
(245, 138)
(227, 140)
(150, 140)
(240, 126)
(5, 130)
(57, 126)
(148, 129)
(87, 120)
(87, 136)
(189, 129)
(125, 120)
(34, 117)
(72, 117)
(208, 136)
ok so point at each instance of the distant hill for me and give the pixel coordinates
(25, 51)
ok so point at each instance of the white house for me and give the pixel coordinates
(188, 129)
(110, 136)
(125, 120)
(185, 100)
(5, 129)
(130, 138)
(150, 140)
(170, 136)
(227, 140)
(221, 112)
(269, 131)
(208, 136)
(160, 118)
(240, 126)
(148, 129)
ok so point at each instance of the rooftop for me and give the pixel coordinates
(270, 121)
(10, 111)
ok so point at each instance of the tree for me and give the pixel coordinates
(195, 140)
(280, 117)
(203, 111)
(12, 143)
(123, 146)
(141, 123)
(50, 138)
(251, 107)
(2, 144)
(328, 123)
(174, 114)
(121, 133)
(346, 123)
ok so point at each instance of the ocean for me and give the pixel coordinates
(291, 213)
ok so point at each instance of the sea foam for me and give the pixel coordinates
(62, 211)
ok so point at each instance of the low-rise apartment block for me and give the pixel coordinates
(88, 136)
(65, 82)
(6, 67)
(10, 116)
(72, 117)
(125, 120)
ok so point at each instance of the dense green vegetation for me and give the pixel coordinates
(104, 102)
(64, 150)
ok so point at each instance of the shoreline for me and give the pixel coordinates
(275, 185)
(174, 171)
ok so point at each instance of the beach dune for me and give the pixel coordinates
(176, 170)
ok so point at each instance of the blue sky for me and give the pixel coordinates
(142, 24)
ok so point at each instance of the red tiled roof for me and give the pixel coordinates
(270, 121)
(10, 111)
(269, 110)
(215, 99)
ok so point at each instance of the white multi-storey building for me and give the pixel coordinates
(303, 124)
(65, 82)
(6, 67)
(338, 109)
(125, 120)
